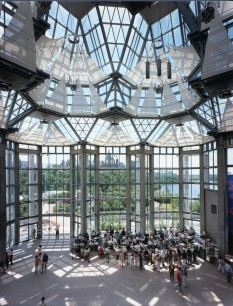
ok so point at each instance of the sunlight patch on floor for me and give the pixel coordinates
(3, 301)
(153, 301)
(132, 302)
(216, 299)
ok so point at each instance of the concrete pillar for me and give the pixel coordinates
(202, 193)
(97, 191)
(3, 196)
(222, 198)
(40, 191)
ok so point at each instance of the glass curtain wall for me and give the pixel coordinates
(28, 190)
(210, 166)
(166, 187)
(10, 193)
(191, 187)
(55, 190)
(84, 188)
(141, 184)
(112, 187)
(104, 175)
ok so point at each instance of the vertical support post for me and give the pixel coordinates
(40, 188)
(151, 220)
(202, 193)
(83, 177)
(128, 191)
(72, 193)
(142, 190)
(3, 197)
(17, 207)
(222, 199)
(97, 190)
(181, 190)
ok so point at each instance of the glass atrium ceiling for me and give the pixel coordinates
(100, 73)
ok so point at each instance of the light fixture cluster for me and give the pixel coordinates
(179, 124)
(44, 121)
(159, 68)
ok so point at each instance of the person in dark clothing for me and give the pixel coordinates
(10, 254)
(57, 231)
(45, 259)
(194, 253)
(189, 255)
(171, 269)
(140, 259)
(184, 256)
(7, 261)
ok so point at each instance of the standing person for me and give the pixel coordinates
(37, 263)
(45, 259)
(122, 258)
(158, 261)
(39, 251)
(57, 231)
(171, 269)
(184, 274)
(33, 233)
(178, 278)
(163, 256)
(140, 260)
(189, 255)
(10, 254)
(229, 272)
(7, 261)
(221, 264)
(42, 302)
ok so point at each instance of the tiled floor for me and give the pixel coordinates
(72, 282)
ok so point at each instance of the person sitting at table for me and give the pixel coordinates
(100, 251)
(86, 253)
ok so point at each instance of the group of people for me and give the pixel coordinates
(41, 260)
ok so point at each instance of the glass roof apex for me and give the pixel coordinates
(107, 77)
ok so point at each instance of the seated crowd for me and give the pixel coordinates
(156, 248)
